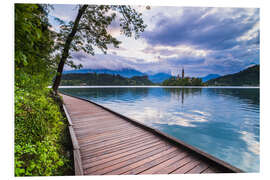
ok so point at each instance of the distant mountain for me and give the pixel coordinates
(123, 72)
(159, 77)
(209, 76)
(128, 73)
(246, 77)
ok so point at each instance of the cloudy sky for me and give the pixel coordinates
(201, 40)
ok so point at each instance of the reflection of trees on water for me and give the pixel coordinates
(251, 96)
(181, 93)
(108, 93)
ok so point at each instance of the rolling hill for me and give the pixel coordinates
(246, 77)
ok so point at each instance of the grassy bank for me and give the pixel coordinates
(42, 142)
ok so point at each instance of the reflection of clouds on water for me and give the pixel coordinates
(253, 145)
(150, 115)
(248, 159)
(146, 114)
(201, 112)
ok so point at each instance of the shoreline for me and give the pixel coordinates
(210, 87)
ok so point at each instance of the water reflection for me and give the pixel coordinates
(108, 93)
(180, 93)
(222, 122)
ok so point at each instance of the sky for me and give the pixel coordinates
(201, 40)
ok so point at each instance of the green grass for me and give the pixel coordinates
(42, 142)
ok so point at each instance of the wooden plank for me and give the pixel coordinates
(99, 123)
(91, 119)
(85, 111)
(73, 138)
(85, 136)
(98, 130)
(120, 147)
(105, 136)
(99, 126)
(125, 151)
(116, 155)
(212, 170)
(116, 142)
(120, 127)
(76, 154)
(113, 139)
(98, 120)
(67, 115)
(151, 164)
(93, 115)
(165, 165)
(199, 168)
(77, 162)
(106, 168)
(89, 136)
(175, 165)
(143, 161)
(187, 167)
(110, 137)
(94, 119)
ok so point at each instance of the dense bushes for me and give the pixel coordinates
(40, 128)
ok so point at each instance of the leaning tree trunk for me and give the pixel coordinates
(65, 52)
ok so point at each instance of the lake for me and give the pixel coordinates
(224, 122)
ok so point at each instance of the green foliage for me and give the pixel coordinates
(173, 81)
(33, 42)
(38, 128)
(103, 79)
(247, 77)
(39, 124)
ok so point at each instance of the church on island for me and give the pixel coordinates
(183, 81)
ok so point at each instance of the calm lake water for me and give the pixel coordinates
(223, 122)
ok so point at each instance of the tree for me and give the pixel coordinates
(33, 46)
(90, 29)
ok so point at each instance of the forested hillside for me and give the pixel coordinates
(247, 77)
(102, 79)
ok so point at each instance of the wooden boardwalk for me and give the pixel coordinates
(108, 143)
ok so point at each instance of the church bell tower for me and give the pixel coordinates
(183, 73)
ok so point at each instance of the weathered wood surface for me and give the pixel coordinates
(110, 144)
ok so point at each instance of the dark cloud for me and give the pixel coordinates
(187, 60)
(209, 32)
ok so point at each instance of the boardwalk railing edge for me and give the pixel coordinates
(76, 149)
(171, 139)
